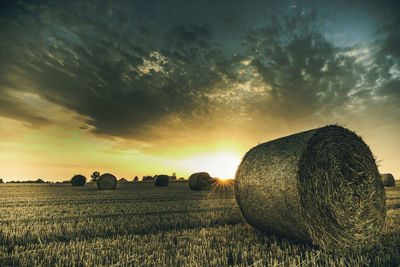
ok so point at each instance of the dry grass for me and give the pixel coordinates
(143, 225)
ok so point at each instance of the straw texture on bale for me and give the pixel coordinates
(200, 181)
(107, 181)
(78, 180)
(388, 180)
(162, 180)
(320, 186)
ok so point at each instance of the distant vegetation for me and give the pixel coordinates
(95, 176)
(123, 180)
(153, 178)
(38, 181)
(147, 178)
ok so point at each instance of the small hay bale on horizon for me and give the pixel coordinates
(107, 181)
(321, 186)
(78, 180)
(388, 180)
(200, 181)
(161, 180)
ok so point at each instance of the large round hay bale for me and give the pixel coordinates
(388, 180)
(161, 180)
(200, 181)
(78, 180)
(107, 181)
(320, 186)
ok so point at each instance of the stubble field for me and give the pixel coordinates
(142, 225)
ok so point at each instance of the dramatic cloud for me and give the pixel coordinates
(156, 71)
(13, 108)
(144, 87)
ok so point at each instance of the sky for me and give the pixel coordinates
(155, 87)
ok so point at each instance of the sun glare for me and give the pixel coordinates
(221, 164)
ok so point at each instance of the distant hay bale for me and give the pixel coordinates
(78, 180)
(320, 186)
(161, 180)
(388, 180)
(107, 181)
(200, 181)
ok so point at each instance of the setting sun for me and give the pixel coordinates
(220, 164)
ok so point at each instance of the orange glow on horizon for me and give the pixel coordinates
(221, 164)
(54, 153)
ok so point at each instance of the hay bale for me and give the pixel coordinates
(162, 180)
(200, 181)
(78, 180)
(107, 181)
(388, 180)
(320, 186)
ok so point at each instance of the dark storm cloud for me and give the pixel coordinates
(86, 65)
(140, 69)
(193, 33)
(12, 108)
(384, 75)
(305, 73)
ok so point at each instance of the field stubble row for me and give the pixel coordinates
(142, 225)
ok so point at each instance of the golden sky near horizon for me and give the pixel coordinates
(56, 154)
(154, 88)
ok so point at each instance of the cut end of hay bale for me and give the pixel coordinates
(388, 180)
(200, 181)
(78, 180)
(107, 181)
(162, 180)
(320, 186)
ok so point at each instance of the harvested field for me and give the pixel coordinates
(46, 225)
(42, 225)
